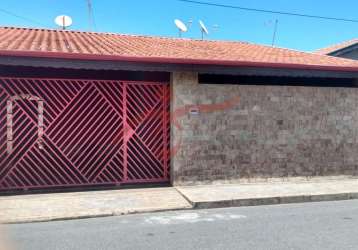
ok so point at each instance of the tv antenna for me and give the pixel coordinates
(203, 29)
(273, 23)
(190, 22)
(274, 33)
(181, 26)
(63, 21)
(91, 21)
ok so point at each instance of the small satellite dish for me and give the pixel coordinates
(63, 21)
(181, 26)
(203, 29)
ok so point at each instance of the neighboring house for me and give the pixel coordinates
(347, 49)
(80, 109)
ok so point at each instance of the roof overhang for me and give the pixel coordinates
(107, 62)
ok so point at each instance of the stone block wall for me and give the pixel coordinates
(236, 133)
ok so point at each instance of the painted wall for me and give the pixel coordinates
(231, 133)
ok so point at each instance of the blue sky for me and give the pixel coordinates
(155, 17)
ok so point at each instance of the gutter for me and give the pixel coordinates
(186, 61)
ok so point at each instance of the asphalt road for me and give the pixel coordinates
(323, 225)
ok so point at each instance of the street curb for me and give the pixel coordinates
(272, 200)
(91, 216)
(205, 205)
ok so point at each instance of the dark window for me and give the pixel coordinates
(276, 80)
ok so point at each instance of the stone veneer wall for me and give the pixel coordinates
(269, 132)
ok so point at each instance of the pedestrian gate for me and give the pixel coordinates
(67, 133)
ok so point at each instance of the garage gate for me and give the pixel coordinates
(57, 133)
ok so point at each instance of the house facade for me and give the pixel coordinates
(82, 109)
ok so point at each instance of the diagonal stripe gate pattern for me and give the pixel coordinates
(68, 132)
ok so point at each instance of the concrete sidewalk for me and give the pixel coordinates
(213, 196)
(60, 206)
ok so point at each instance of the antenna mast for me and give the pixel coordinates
(91, 22)
(274, 33)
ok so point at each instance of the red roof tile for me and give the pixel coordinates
(106, 46)
(336, 47)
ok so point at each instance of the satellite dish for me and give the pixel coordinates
(63, 21)
(203, 29)
(181, 26)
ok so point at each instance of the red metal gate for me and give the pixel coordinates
(65, 132)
